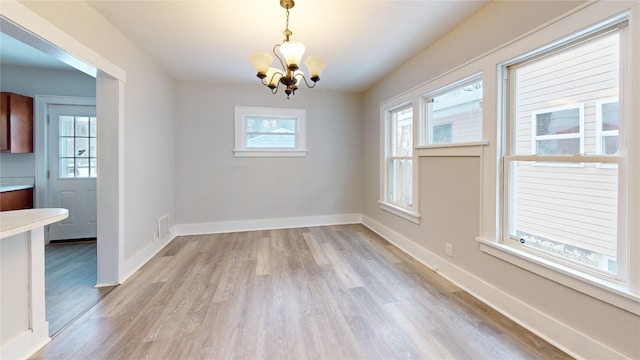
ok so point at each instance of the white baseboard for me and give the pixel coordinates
(134, 263)
(26, 344)
(550, 329)
(266, 224)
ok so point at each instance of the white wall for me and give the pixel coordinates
(148, 133)
(451, 211)
(30, 81)
(214, 186)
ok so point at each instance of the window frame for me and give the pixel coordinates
(242, 113)
(407, 212)
(507, 248)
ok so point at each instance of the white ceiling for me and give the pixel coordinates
(361, 40)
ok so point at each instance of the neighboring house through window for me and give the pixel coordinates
(453, 114)
(558, 131)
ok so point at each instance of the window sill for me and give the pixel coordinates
(398, 211)
(454, 149)
(607, 291)
(270, 153)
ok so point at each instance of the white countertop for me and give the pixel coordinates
(19, 221)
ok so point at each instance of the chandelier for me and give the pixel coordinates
(289, 75)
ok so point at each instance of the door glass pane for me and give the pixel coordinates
(66, 147)
(93, 167)
(82, 147)
(82, 126)
(92, 127)
(93, 149)
(66, 125)
(67, 168)
(82, 167)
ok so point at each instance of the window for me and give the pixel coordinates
(269, 132)
(607, 119)
(78, 152)
(454, 113)
(401, 157)
(398, 192)
(558, 131)
(568, 215)
(442, 134)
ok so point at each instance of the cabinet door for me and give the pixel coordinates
(4, 123)
(16, 200)
(17, 123)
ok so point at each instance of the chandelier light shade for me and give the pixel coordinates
(290, 55)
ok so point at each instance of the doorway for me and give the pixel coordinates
(69, 156)
(20, 23)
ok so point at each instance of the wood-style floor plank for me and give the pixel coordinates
(335, 292)
(70, 279)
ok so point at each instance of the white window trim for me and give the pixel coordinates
(612, 292)
(409, 213)
(241, 150)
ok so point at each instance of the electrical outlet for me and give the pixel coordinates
(448, 249)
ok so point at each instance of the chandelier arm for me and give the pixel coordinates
(271, 79)
(284, 66)
(306, 82)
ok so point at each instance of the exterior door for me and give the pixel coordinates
(72, 167)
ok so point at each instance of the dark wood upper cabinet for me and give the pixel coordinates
(16, 123)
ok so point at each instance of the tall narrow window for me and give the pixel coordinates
(397, 183)
(400, 158)
(567, 214)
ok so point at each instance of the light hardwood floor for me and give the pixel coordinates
(70, 279)
(337, 292)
